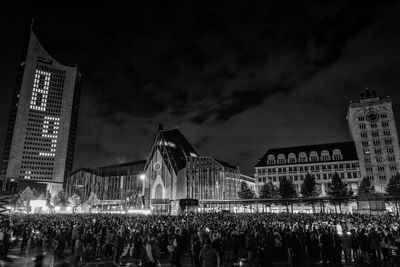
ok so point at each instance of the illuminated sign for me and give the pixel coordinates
(39, 98)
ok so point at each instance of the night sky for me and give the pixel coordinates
(235, 79)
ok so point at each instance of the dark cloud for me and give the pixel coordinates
(213, 70)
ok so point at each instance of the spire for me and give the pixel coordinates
(32, 21)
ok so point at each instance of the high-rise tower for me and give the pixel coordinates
(41, 132)
(373, 129)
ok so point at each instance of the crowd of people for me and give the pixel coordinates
(213, 239)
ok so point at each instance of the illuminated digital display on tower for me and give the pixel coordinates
(40, 90)
(39, 98)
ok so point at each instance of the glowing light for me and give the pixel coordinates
(142, 176)
(40, 90)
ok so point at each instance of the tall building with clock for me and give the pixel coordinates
(40, 137)
(373, 129)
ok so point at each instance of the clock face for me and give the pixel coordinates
(157, 166)
(372, 115)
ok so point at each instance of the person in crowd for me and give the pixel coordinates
(78, 250)
(346, 246)
(208, 255)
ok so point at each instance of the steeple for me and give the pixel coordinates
(367, 93)
(32, 21)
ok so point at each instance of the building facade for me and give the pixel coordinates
(320, 161)
(42, 125)
(121, 184)
(373, 129)
(174, 172)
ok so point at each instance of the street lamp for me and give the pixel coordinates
(142, 177)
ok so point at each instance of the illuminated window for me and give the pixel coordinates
(40, 90)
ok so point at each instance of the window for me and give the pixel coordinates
(393, 168)
(349, 175)
(388, 141)
(364, 135)
(281, 159)
(342, 175)
(384, 116)
(374, 125)
(378, 151)
(325, 155)
(376, 142)
(391, 158)
(386, 132)
(389, 149)
(361, 118)
(313, 156)
(362, 126)
(292, 158)
(375, 134)
(385, 124)
(325, 176)
(369, 169)
(366, 152)
(381, 168)
(271, 160)
(379, 159)
(302, 157)
(382, 177)
(367, 159)
(337, 154)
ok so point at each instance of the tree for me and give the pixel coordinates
(25, 198)
(36, 194)
(74, 200)
(393, 189)
(286, 190)
(92, 200)
(268, 190)
(337, 190)
(60, 198)
(245, 191)
(309, 188)
(366, 186)
(48, 197)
